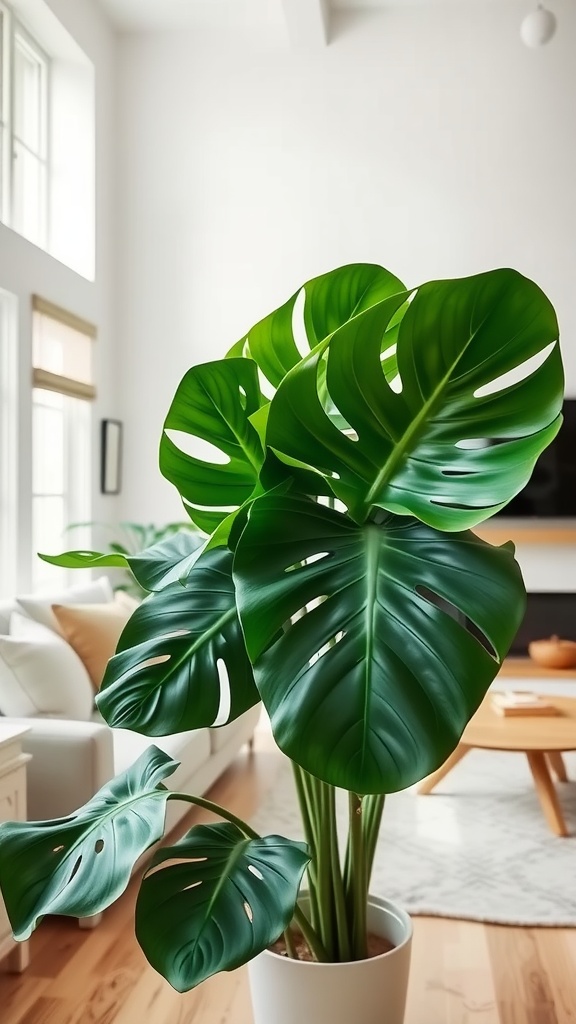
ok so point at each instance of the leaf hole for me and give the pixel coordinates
(256, 872)
(99, 846)
(299, 325)
(197, 448)
(336, 639)
(75, 869)
(395, 384)
(158, 660)
(517, 374)
(307, 561)
(458, 505)
(209, 508)
(455, 613)
(193, 885)
(267, 389)
(225, 694)
(473, 443)
(248, 911)
(58, 849)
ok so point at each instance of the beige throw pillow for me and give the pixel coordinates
(93, 630)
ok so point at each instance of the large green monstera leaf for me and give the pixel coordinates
(368, 679)
(226, 900)
(319, 308)
(79, 865)
(455, 440)
(214, 403)
(181, 662)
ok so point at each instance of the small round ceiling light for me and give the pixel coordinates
(538, 27)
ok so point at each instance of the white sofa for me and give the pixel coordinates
(72, 757)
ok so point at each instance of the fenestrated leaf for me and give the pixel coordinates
(230, 899)
(442, 449)
(79, 865)
(328, 302)
(371, 689)
(214, 402)
(181, 661)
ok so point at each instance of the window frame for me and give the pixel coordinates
(9, 410)
(78, 476)
(11, 29)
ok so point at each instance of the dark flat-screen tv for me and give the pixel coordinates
(551, 491)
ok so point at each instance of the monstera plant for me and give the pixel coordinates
(363, 430)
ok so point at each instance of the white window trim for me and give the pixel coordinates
(9, 442)
(12, 27)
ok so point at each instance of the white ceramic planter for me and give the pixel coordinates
(370, 991)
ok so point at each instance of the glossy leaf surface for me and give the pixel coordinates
(167, 561)
(79, 865)
(213, 404)
(316, 310)
(229, 900)
(445, 449)
(372, 687)
(181, 662)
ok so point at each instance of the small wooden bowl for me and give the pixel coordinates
(553, 653)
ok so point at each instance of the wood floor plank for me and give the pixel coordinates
(558, 958)
(450, 978)
(462, 972)
(524, 991)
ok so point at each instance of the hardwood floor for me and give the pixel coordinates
(462, 972)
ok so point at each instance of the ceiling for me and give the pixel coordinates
(306, 15)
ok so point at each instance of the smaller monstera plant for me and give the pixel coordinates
(363, 430)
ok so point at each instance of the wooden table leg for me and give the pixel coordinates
(557, 765)
(546, 792)
(428, 784)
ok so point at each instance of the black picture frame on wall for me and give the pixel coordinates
(111, 456)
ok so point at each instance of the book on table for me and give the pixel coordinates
(519, 703)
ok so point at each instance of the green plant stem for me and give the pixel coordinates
(208, 805)
(328, 928)
(357, 893)
(339, 896)
(316, 945)
(372, 810)
(310, 824)
(290, 945)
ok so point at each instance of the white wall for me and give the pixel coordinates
(424, 138)
(25, 270)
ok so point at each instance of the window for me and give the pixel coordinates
(61, 433)
(24, 130)
(8, 447)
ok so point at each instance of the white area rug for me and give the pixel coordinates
(477, 848)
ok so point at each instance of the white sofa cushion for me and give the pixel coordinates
(40, 674)
(191, 749)
(39, 606)
(6, 610)
(220, 737)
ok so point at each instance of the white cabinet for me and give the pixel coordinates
(12, 808)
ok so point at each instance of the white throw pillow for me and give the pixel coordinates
(40, 674)
(39, 606)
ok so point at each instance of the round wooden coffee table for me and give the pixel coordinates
(542, 738)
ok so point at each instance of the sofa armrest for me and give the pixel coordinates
(70, 762)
